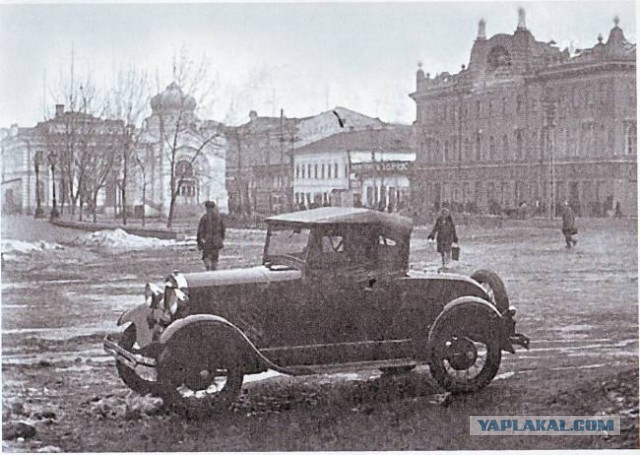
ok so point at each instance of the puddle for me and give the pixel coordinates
(506, 375)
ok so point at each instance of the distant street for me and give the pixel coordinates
(579, 308)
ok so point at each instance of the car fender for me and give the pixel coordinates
(482, 313)
(139, 316)
(249, 355)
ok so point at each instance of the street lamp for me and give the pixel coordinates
(52, 161)
(37, 160)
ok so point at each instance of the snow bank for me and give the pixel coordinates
(119, 239)
(15, 247)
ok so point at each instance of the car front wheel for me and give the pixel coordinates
(197, 385)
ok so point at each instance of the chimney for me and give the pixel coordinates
(59, 110)
(253, 115)
(13, 131)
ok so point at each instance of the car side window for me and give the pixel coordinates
(332, 244)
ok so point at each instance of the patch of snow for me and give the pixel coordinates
(13, 247)
(119, 239)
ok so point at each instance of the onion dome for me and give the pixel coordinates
(172, 100)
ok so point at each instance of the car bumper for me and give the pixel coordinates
(128, 358)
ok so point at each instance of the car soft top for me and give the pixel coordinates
(342, 215)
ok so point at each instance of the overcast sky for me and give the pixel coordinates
(304, 58)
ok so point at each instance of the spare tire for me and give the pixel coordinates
(494, 287)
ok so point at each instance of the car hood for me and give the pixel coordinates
(253, 275)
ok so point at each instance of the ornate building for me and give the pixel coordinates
(527, 122)
(173, 137)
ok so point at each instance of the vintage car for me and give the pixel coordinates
(334, 292)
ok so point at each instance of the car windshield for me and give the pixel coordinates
(287, 242)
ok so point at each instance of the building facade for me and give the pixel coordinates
(260, 168)
(70, 149)
(365, 168)
(525, 122)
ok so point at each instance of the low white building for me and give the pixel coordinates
(367, 167)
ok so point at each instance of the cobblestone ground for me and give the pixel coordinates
(580, 308)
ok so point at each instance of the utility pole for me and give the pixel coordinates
(550, 112)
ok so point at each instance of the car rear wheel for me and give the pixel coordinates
(494, 287)
(133, 380)
(463, 360)
(197, 384)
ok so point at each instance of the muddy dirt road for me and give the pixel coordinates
(59, 298)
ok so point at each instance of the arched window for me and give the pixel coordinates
(187, 183)
(467, 150)
(631, 139)
(492, 148)
(519, 145)
(505, 148)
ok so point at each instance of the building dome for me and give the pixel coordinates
(172, 100)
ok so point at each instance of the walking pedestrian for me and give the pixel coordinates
(569, 225)
(211, 235)
(444, 232)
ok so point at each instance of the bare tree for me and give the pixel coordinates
(127, 102)
(180, 125)
(69, 134)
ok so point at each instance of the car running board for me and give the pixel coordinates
(352, 366)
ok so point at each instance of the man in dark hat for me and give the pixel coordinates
(211, 235)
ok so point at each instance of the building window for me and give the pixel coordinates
(297, 171)
(519, 145)
(490, 108)
(478, 106)
(335, 170)
(346, 171)
(322, 171)
(303, 167)
(309, 171)
(315, 172)
(455, 156)
(519, 104)
(328, 171)
(478, 147)
(505, 148)
(631, 138)
(492, 148)
(445, 157)
(467, 150)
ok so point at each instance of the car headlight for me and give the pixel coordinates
(152, 295)
(174, 298)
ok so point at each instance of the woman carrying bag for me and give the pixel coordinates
(444, 232)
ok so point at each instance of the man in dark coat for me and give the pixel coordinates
(444, 231)
(210, 235)
(568, 224)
